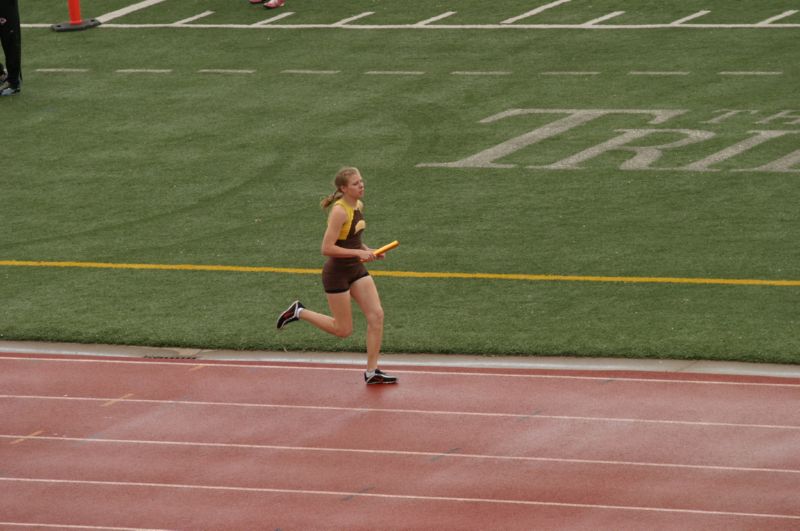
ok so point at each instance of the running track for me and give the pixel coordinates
(125, 443)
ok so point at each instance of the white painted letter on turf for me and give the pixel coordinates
(782, 165)
(644, 155)
(731, 151)
(792, 119)
(574, 118)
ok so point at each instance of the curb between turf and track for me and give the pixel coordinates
(418, 360)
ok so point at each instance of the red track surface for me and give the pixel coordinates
(129, 443)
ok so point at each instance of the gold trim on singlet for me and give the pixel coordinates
(361, 225)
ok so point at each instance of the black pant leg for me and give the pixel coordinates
(11, 40)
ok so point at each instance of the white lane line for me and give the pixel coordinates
(617, 379)
(305, 492)
(143, 71)
(311, 72)
(128, 10)
(656, 73)
(346, 21)
(770, 20)
(273, 19)
(753, 73)
(223, 71)
(394, 73)
(481, 73)
(22, 438)
(602, 19)
(363, 451)
(75, 526)
(62, 70)
(117, 400)
(436, 18)
(533, 12)
(192, 19)
(690, 17)
(404, 411)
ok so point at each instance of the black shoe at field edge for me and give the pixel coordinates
(7, 89)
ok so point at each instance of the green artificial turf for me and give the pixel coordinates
(192, 167)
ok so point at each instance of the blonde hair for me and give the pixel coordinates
(341, 179)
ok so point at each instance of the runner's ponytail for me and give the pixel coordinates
(331, 199)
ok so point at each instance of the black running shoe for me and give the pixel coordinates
(379, 377)
(291, 314)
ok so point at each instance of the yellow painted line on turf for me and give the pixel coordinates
(161, 267)
(412, 274)
(29, 436)
(585, 278)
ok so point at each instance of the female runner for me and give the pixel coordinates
(344, 275)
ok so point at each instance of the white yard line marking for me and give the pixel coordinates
(602, 19)
(273, 19)
(754, 73)
(399, 411)
(143, 71)
(373, 27)
(192, 19)
(223, 71)
(434, 19)
(536, 11)
(312, 72)
(570, 73)
(394, 73)
(346, 21)
(646, 73)
(506, 375)
(319, 449)
(690, 17)
(128, 10)
(770, 20)
(305, 492)
(62, 70)
(478, 73)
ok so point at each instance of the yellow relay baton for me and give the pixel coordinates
(385, 248)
